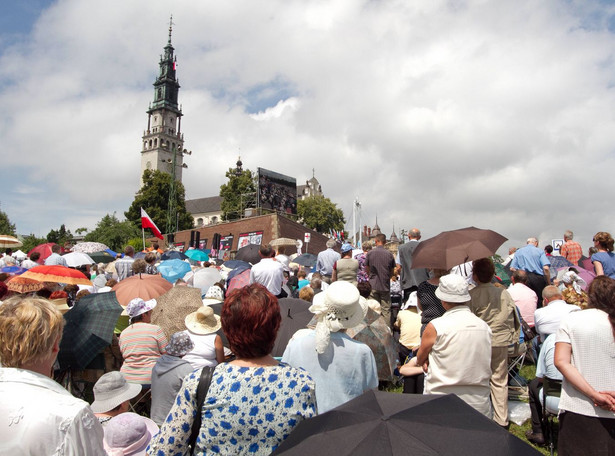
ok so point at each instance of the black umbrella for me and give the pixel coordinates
(307, 259)
(295, 316)
(88, 329)
(173, 255)
(217, 310)
(379, 423)
(249, 253)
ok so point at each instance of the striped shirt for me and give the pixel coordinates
(141, 345)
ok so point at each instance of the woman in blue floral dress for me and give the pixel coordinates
(254, 401)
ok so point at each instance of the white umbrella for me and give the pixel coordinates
(75, 259)
(89, 247)
(9, 242)
(205, 277)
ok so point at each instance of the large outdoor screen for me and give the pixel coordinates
(277, 192)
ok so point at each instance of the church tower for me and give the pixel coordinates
(163, 141)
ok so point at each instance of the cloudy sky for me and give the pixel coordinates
(435, 114)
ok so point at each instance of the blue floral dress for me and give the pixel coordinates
(248, 410)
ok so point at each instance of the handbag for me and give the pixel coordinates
(201, 394)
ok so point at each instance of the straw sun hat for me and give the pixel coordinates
(203, 321)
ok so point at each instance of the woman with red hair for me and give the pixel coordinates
(254, 401)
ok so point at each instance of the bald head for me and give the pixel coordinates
(551, 293)
(415, 233)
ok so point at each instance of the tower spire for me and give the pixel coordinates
(170, 28)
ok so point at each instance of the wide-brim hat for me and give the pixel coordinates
(453, 288)
(129, 434)
(138, 306)
(203, 321)
(61, 304)
(341, 303)
(111, 390)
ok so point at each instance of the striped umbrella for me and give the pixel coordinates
(9, 242)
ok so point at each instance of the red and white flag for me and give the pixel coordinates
(147, 222)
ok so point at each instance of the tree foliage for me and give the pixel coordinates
(30, 241)
(320, 214)
(154, 198)
(60, 236)
(115, 234)
(232, 191)
(6, 227)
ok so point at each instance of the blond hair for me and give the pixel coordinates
(306, 293)
(29, 327)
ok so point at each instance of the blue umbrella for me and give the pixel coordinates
(234, 264)
(13, 270)
(175, 269)
(197, 255)
(173, 255)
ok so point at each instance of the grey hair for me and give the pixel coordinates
(568, 235)
(330, 243)
(532, 240)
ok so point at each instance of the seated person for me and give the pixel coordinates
(545, 367)
(112, 395)
(409, 324)
(450, 367)
(202, 327)
(168, 375)
(341, 367)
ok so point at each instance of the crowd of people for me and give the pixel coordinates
(214, 387)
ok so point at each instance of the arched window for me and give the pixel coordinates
(199, 222)
(214, 219)
(155, 142)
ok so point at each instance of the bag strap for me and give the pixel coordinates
(201, 394)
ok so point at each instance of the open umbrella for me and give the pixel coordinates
(374, 332)
(13, 270)
(101, 257)
(21, 284)
(173, 255)
(197, 255)
(234, 264)
(451, 248)
(306, 259)
(205, 277)
(44, 250)
(142, 286)
(75, 259)
(57, 274)
(295, 316)
(249, 253)
(174, 269)
(89, 247)
(9, 242)
(400, 424)
(238, 280)
(283, 241)
(173, 306)
(88, 329)
(19, 255)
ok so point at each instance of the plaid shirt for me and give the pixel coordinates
(572, 251)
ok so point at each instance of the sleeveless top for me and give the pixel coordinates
(347, 269)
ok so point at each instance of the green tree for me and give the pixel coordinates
(154, 198)
(320, 214)
(30, 241)
(60, 236)
(113, 233)
(6, 227)
(238, 184)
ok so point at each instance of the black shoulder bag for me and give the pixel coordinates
(201, 394)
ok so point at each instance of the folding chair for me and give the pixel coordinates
(516, 359)
(142, 403)
(553, 388)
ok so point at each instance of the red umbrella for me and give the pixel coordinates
(142, 286)
(58, 274)
(44, 250)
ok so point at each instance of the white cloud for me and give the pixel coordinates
(435, 114)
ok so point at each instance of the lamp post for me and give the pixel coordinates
(172, 209)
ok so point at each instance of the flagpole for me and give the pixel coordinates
(142, 230)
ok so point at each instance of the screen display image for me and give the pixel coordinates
(277, 192)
